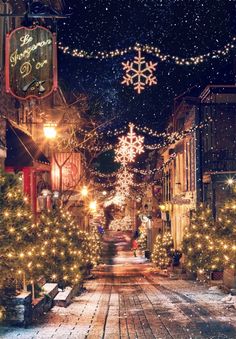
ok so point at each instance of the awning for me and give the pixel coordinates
(22, 151)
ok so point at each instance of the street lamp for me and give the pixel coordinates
(230, 181)
(93, 206)
(50, 131)
(84, 191)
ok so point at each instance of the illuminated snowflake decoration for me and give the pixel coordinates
(139, 73)
(129, 146)
(117, 199)
(125, 178)
(122, 190)
(122, 155)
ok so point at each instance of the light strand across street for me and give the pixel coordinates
(153, 50)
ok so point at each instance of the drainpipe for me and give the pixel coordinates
(199, 155)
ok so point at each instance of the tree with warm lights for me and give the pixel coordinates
(64, 251)
(91, 249)
(163, 250)
(142, 239)
(168, 243)
(201, 243)
(225, 231)
(17, 240)
(59, 247)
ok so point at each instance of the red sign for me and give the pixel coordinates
(31, 62)
(71, 171)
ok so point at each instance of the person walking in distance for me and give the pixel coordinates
(134, 247)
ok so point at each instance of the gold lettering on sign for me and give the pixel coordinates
(25, 39)
(25, 69)
(15, 57)
(41, 64)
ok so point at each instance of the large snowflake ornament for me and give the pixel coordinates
(129, 146)
(123, 155)
(122, 190)
(139, 73)
(125, 178)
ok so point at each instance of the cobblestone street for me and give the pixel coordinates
(127, 301)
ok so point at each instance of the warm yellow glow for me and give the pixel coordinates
(230, 181)
(84, 191)
(50, 131)
(93, 205)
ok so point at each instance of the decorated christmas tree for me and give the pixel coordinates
(168, 243)
(201, 243)
(65, 252)
(225, 231)
(161, 255)
(17, 242)
(142, 239)
(91, 249)
(59, 247)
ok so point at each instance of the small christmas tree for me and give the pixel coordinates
(17, 242)
(59, 247)
(91, 249)
(168, 243)
(226, 232)
(163, 250)
(142, 239)
(201, 243)
(65, 253)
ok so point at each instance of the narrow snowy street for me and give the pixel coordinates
(126, 300)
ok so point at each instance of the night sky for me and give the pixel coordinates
(180, 27)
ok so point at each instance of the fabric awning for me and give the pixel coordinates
(22, 151)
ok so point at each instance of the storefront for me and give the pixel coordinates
(25, 157)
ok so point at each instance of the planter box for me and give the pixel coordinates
(217, 275)
(45, 303)
(203, 277)
(20, 309)
(190, 275)
(64, 298)
(229, 278)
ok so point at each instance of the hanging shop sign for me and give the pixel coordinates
(31, 62)
(71, 171)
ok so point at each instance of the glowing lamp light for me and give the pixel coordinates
(162, 207)
(46, 192)
(93, 205)
(230, 181)
(84, 191)
(56, 194)
(50, 131)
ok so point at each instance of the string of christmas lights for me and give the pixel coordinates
(171, 138)
(149, 49)
(155, 170)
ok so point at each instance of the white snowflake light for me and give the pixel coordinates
(125, 178)
(123, 156)
(129, 146)
(139, 73)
